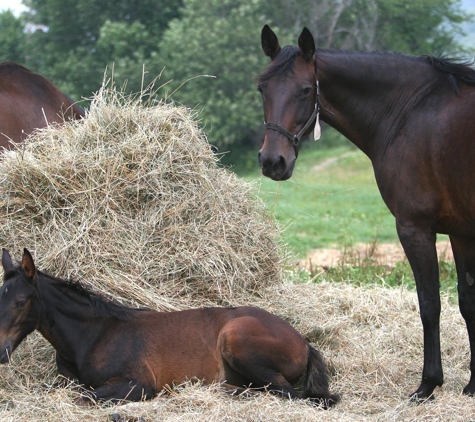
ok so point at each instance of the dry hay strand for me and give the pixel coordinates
(132, 202)
(370, 337)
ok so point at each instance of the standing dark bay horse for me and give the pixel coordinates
(414, 117)
(131, 354)
(29, 101)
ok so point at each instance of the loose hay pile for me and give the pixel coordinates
(132, 202)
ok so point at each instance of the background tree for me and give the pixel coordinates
(75, 41)
(12, 38)
(82, 37)
(219, 38)
(404, 26)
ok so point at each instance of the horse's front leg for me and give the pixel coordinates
(67, 369)
(117, 390)
(419, 245)
(464, 255)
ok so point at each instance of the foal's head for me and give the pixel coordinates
(288, 89)
(18, 309)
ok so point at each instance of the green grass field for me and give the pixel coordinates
(336, 205)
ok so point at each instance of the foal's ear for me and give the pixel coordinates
(27, 264)
(307, 44)
(7, 263)
(269, 42)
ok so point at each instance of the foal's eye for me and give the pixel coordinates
(306, 91)
(21, 303)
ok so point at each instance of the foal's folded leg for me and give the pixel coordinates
(117, 390)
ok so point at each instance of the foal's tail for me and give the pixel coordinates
(315, 385)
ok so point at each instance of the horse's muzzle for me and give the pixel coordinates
(276, 168)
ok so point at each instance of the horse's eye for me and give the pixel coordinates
(306, 91)
(21, 303)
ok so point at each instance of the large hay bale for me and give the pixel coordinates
(131, 201)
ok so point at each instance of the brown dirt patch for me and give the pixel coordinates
(382, 254)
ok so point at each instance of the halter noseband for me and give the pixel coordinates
(295, 139)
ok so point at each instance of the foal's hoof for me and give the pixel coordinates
(327, 402)
(116, 417)
(84, 401)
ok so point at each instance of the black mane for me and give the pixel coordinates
(454, 68)
(104, 307)
(282, 65)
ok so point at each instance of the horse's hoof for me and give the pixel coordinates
(417, 398)
(468, 391)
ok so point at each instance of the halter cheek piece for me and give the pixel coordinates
(295, 139)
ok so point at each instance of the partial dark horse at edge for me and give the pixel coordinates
(29, 101)
(414, 117)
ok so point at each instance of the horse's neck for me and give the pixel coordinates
(65, 322)
(358, 91)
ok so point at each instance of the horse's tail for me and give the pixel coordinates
(315, 385)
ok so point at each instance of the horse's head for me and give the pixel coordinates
(17, 308)
(289, 93)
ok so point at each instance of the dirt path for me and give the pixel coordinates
(330, 161)
(384, 254)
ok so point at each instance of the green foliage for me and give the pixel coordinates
(209, 37)
(419, 27)
(220, 38)
(12, 38)
(403, 26)
(86, 36)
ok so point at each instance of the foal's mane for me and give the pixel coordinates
(103, 307)
(454, 68)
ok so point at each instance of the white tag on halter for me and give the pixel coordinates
(317, 132)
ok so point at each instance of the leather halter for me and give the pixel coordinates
(295, 139)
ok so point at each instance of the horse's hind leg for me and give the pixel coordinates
(464, 254)
(243, 374)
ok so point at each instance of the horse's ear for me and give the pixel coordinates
(307, 44)
(269, 42)
(27, 264)
(6, 260)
